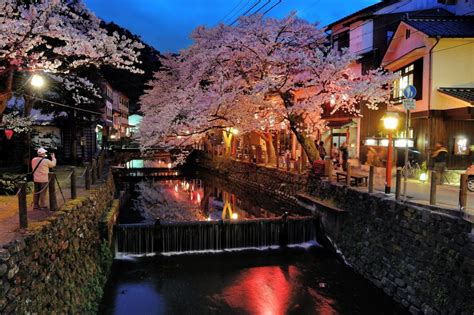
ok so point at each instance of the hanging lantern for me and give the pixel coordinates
(9, 133)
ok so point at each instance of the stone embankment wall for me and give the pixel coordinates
(276, 183)
(60, 265)
(422, 258)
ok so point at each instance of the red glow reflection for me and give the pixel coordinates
(262, 291)
(322, 304)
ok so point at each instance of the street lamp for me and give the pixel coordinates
(390, 123)
(37, 81)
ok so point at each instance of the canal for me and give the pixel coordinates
(297, 279)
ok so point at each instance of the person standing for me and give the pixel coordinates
(322, 150)
(440, 157)
(41, 165)
(345, 155)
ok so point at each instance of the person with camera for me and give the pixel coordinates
(41, 165)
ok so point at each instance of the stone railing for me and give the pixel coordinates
(59, 265)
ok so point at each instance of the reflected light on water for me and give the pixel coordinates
(261, 291)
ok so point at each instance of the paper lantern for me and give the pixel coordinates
(9, 133)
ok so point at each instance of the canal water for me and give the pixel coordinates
(302, 279)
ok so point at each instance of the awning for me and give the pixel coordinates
(340, 123)
(463, 94)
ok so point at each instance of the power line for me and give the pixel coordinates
(230, 12)
(64, 105)
(248, 10)
(261, 7)
(271, 8)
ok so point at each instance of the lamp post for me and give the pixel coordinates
(390, 122)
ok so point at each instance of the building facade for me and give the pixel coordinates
(436, 55)
(368, 33)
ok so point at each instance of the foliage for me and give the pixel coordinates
(262, 74)
(132, 84)
(58, 35)
(17, 123)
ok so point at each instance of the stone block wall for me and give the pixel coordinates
(277, 183)
(424, 259)
(60, 265)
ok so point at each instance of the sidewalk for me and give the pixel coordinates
(447, 196)
(9, 216)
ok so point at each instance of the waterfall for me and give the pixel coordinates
(134, 238)
(212, 235)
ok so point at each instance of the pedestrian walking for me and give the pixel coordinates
(322, 150)
(345, 155)
(439, 157)
(41, 165)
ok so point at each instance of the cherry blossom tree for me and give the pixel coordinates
(56, 36)
(257, 75)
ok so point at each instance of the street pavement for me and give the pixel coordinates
(447, 196)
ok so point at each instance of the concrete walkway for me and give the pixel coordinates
(9, 213)
(447, 196)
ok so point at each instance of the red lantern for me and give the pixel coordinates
(9, 133)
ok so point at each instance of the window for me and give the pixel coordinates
(389, 36)
(109, 110)
(407, 34)
(341, 40)
(411, 74)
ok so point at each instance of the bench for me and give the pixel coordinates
(358, 177)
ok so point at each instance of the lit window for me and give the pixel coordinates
(405, 79)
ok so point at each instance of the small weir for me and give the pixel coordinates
(182, 237)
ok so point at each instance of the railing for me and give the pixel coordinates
(54, 189)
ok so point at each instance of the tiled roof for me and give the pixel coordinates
(454, 26)
(367, 10)
(464, 94)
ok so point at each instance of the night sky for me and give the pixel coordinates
(166, 24)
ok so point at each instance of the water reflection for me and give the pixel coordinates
(293, 281)
(195, 199)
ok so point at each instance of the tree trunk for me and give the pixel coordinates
(306, 142)
(27, 136)
(271, 153)
(7, 94)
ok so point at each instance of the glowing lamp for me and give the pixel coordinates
(208, 218)
(234, 216)
(37, 81)
(235, 131)
(390, 121)
(9, 133)
(423, 177)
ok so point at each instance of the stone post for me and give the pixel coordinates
(434, 177)
(22, 206)
(371, 179)
(330, 169)
(463, 192)
(73, 183)
(398, 184)
(53, 202)
(349, 173)
(87, 176)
